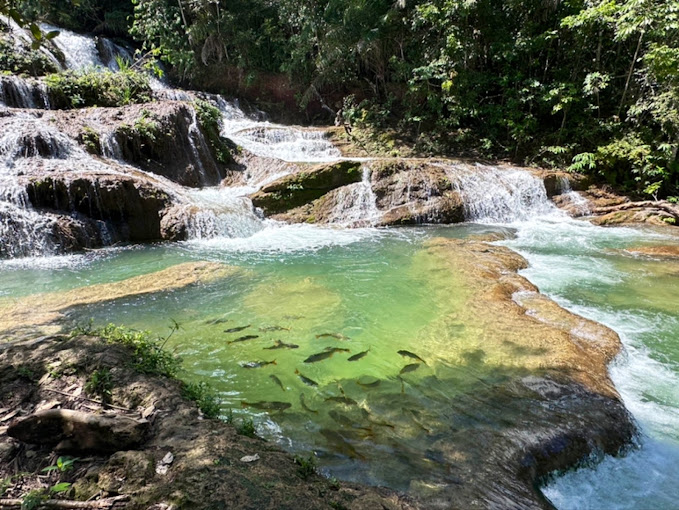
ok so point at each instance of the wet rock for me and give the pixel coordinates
(305, 186)
(131, 208)
(78, 431)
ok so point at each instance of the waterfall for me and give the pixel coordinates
(356, 204)
(572, 201)
(221, 212)
(266, 139)
(17, 92)
(498, 195)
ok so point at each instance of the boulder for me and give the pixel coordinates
(78, 431)
(305, 186)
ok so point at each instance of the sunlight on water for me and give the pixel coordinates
(588, 270)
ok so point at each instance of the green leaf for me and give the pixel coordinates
(61, 487)
(52, 34)
(35, 30)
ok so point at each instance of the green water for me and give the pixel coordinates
(380, 291)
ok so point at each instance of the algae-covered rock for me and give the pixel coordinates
(305, 186)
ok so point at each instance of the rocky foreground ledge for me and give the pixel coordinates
(549, 407)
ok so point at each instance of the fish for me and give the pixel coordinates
(293, 317)
(327, 353)
(267, 406)
(305, 379)
(340, 444)
(273, 328)
(338, 336)
(409, 368)
(258, 364)
(275, 379)
(304, 406)
(371, 384)
(236, 330)
(358, 356)
(408, 354)
(319, 357)
(368, 417)
(217, 321)
(243, 338)
(342, 400)
(281, 345)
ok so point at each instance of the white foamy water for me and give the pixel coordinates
(282, 238)
(266, 139)
(578, 265)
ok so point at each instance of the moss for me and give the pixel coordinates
(208, 118)
(90, 139)
(24, 61)
(305, 187)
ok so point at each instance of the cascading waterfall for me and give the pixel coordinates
(221, 212)
(266, 139)
(496, 195)
(355, 204)
(16, 92)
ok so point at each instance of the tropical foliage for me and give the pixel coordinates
(590, 85)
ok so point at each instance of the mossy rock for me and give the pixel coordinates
(304, 187)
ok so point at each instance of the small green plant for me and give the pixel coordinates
(100, 383)
(60, 487)
(63, 465)
(25, 372)
(246, 428)
(5, 484)
(229, 417)
(33, 499)
(149, 356)
(307, 466)
(203, 395)
(334, 484)
(90, 139)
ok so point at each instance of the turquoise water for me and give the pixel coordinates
(376, 291)
(587, 270)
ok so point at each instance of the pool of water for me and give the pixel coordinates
(262, 335)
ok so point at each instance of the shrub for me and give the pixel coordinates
(73, 89)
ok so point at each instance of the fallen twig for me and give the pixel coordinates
(89, 400)
(62, 503)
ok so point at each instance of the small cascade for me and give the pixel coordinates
(17, 92)
(23, 231)
(266, 139)
(29, 137)
(572, 201)
(79, 51)
(221, 212)
(356, 204)
(497, 195)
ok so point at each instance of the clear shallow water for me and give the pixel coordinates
(586, 269)
(378, 288)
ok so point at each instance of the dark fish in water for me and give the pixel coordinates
(217, 321)
(293, 317)
(281, 345)
(258, 364)
(319, 357)
(277, 381)
(379, 423)
(409, 368)
(338, 336)
(236, 330)
(415, 416)
(412, 355)
(327, 353)
(358, 356)
(273, 328)
(243, 338)
(342, 400)
(367, 383)
(305, 379)
(267, 406)
(304, 406)
(336, 441)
